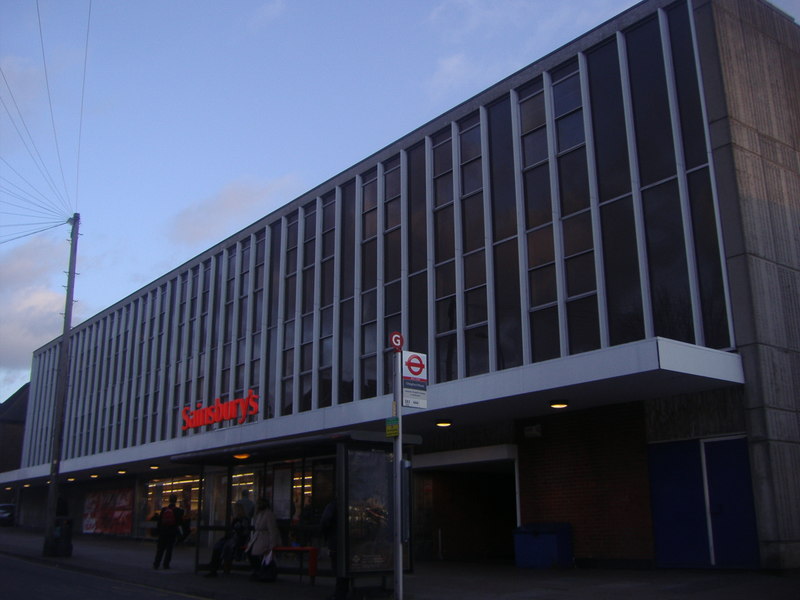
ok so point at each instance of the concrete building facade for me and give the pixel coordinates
(613, 228)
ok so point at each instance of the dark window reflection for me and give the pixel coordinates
(620, 257)
(573, 181)
(650, 103)
(472, 217)
(477, 350)
(669, 279)
(544, 334)
(539, 209)
(582, 324)
(446, 358)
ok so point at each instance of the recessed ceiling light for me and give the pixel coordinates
(241, 456)
(122, 471)
(154, 467)
(561, 403)
(444, 423)
(94, 475)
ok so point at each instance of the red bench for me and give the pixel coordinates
(301, 551)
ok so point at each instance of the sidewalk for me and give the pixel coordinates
(131, 560)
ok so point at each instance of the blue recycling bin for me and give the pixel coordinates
(543, 545)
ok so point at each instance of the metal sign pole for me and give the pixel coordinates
(398, 478)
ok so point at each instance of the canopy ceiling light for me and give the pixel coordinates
(154, 467)
(561, 403)
(241, 456)
(444, 423)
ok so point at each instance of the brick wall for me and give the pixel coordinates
(589, 468)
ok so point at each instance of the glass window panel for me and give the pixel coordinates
(326, 297)
(443, 189)
(470, 144)
(666, 253)
(709, 267)
(446, 358)
(534, 147)
(370, 191)
(569, 130)
(538, 207)
(477, 349)
(446, 314)
(442, 159)
(346, 364)
(369, 338)
(573, 181)
(392, 183)
(608, 122)
(474, 270)
(507, 304)
(471, 177)
(288, 363)
(291, 262)
(306, 357)
(564, 69)
(530, 88)
(651, 115)
(501, 170)
(443, 228)
(393, 298)
(445, 279)
(291, 294)
(543, 285)
(545, 338)
(348, 239)
(577, 233)
(532, 113)
(567, 95)
(325, 351)
(392, 213)
(417, 226)
(692, 126)
(418, 313)
(580, 274)
(476, 306)
(620, 258)
(369, 382)
(370, 224)
(369, 260)
(540, 247)
(391, 256)
(325, 393)
(288, 394)
(310, 224)
(291, 231)
(308, 290)
(369, 306)
(441, 136)
(472, 217)
(308, 328)
(583, 325)
(329, 214)
(326, 321)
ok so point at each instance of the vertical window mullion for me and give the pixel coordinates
(380, 281)
(683, 186)
(638, 213)
(488, 246)
(594, 203)
(555, 199)
(429, 240)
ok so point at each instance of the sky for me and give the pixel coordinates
(169, 125)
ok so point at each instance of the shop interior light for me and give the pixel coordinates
(444, 423)
(241, 456)
(561, 403)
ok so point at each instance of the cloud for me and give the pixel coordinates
(31, 304)
(235, 206)
(267, 13)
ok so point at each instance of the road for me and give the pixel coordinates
(27, 580)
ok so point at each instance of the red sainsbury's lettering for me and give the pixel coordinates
(238, 408)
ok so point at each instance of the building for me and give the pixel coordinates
(613, 229)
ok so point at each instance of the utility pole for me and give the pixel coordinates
(52, 547)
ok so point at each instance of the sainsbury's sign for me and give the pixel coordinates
(238, 409)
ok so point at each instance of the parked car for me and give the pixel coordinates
(6, 514)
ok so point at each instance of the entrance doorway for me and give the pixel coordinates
(465, 511)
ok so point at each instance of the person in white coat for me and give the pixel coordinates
(265, 535)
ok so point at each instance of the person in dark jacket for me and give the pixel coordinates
(169, 523)
(234, 541)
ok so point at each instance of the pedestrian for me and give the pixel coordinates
(247, 504)
(169, 523)
(234, 541)
(330, 531)
(263, 539)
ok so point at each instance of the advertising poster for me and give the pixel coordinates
(108, 511)
(370, 529)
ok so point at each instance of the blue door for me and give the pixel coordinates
(702, 504)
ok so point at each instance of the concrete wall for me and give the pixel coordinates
(752, 84)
